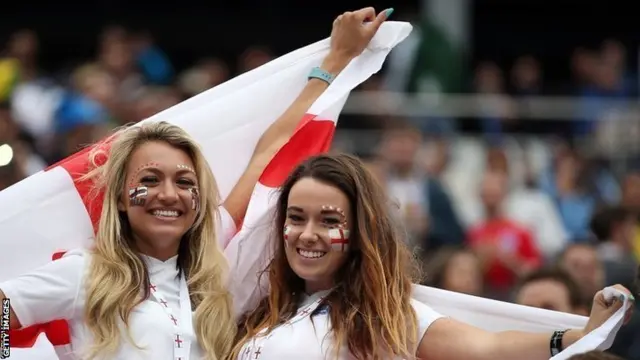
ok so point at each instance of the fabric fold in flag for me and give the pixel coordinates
(228, 119)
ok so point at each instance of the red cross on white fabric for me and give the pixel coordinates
(258, 352)
(175, 321)
(163, 302)
(152, 287)
(339, 239)
(178, 341)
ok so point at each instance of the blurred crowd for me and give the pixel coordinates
(535, 221)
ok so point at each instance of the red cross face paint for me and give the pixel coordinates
(338, 235)
(339, 239)
(138, 195)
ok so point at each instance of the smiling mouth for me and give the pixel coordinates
(308, 254)
(166, 214)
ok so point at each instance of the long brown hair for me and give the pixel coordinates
(370, 306)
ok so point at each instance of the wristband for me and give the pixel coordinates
(555, 345)
(318, 73)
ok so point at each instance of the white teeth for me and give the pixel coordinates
(165, 213)
(311, 254)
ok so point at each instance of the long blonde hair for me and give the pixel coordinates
(371, 312)
(118, 278)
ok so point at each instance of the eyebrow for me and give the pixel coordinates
(157, 171)
(324, 212)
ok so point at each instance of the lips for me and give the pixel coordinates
(310, 254)
(166, 213)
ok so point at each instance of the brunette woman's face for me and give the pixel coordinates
(160, 197)
(463, 274)
(316, 233)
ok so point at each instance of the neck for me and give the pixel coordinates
(312, 287)
(492, 212)
(162, 254)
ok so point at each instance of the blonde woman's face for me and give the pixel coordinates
(160, 197)
(317, 232)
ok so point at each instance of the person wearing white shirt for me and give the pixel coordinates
(154, 285)
(341, 283)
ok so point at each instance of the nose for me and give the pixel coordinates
(168, 193)
(309, 233)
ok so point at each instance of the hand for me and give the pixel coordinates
(352, 32)
(603, 310)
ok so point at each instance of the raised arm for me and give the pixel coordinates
(452, 340)
(349, 38)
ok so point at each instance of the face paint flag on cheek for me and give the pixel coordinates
(195, 198)
(138, 195)
(339, 239)
(286, 232)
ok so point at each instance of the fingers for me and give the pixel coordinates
(381, 18)
(366, 14)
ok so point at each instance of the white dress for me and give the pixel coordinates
(57, 291)
(299, 338)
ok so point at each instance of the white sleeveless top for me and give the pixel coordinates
(300, 338)
(57, 291)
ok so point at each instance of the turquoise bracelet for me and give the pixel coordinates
(318, 73)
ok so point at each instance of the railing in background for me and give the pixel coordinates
(617, 137)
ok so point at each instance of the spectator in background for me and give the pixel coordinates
(153, 63)
(551, 289)
(496, 109)
(615, 230)
(206, 74)
(424, 204)
(117, 58)
(526, 76)
(631, 200)
(569, 187)
(582, 263)
(506, 248)
(455, 269)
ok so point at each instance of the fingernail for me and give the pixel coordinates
(632, 298)
(388, 12)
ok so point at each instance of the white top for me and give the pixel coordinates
(300, 338)
(57, 291)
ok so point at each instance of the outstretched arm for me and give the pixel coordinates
(452, 340)
(349, 38)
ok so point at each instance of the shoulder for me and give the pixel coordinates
(425, 315)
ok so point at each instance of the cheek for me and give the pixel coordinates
(137, 195)
(194, 195)
(339, 239)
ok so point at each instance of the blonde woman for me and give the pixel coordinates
(156, 259)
